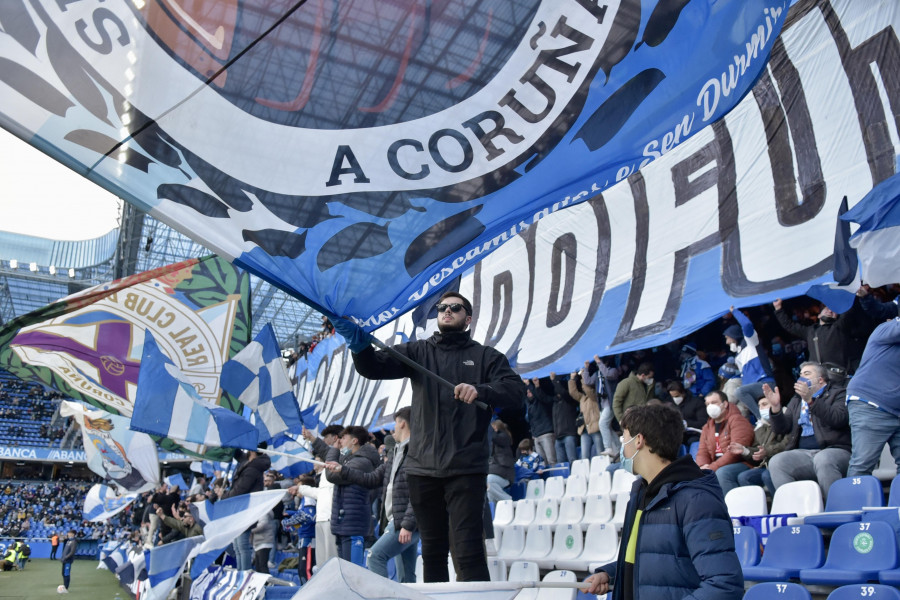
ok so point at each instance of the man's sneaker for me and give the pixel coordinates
(61, 589)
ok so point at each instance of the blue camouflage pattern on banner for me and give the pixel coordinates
(371, 156)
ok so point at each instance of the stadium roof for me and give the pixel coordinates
(35, 271)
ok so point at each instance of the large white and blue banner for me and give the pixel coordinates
(361, 154)
(741, 214)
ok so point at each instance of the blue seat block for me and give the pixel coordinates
(858, 551)
(788, 550)
(867, 590)
(781, 591)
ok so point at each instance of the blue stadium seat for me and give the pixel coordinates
(889, 577)
(857, 552)
(694, 449)
(746, 544)
(894, 496)
(788, 550)
(781, 591)
(852, 592)
(846, 498)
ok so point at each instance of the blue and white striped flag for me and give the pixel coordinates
(258, 378)
(287, 466)
(134, 569)
(102, 502)
(167, 404)
(165, 564)
(113, 555)
(223, 521)
(876, 240)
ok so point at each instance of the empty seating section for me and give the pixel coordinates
(852, 592)
(856, 554)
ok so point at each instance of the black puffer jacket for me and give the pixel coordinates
(449, 437)
(351, 511)
(248, 477)
(828, 414)
(565, 411)
(401, 509)
(540, 412)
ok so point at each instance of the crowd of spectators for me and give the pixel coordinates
(30, 414)
(36, 510)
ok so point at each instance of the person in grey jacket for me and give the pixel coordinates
(401, 536)
(502, 468)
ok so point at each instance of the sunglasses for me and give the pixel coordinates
(455, 307)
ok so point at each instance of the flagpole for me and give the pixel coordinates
(294, 456)
(422, 370)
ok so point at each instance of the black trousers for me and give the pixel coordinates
(450, 517)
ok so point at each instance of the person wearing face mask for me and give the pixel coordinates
(834, 338)
(724, 427)
(817, 425)
(634, 390)
(692, 409)
(677, 539)
(696, 374)
(751, 359)
(753, 471)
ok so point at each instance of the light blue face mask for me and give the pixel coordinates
(345, 451)
(808, 382)
(627, 463)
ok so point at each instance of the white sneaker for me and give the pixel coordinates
(61, 589)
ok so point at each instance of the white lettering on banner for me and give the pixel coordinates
(6, 452)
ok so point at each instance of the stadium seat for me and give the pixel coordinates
(856, 553)
(869, 590)
(621, 482)
(788, 550)
(547, 512)
(558, 593)
(599, 464)
(894, 496)
(601, 546)
(525, 512)
(512, 544)
(887, 467)
(781, 591)
(747, 545)
(568, 544)
(597, 509)
(576, 485)
(571, 511)
(497, 569)
(555, 487)
(846, 499)
(504, 513)
(599, 483)
(797, 497)
(746, 501)
(889, 577)
(694, 449)
(525, 571)
(618, 519)
(581, 467)
(535, 489)
(538, 543)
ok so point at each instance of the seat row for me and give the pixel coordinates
(795, 591)
(563, 548)
(859, 552)
(579, 484)
(570, 510)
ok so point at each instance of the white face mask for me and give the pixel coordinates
(649, 381)
(764, 414)
(734, 348)
(714, 411)
(677, 400)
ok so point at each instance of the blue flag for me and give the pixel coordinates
(167, 404)
(102, 502)
(840, 295)
(876, 240)
(165, 564)
(310, 417)
(258, 378)
(294, 465)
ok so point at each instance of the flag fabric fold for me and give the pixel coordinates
(840, 294)
(223, 521)
(876, 239)
(102, 502)
(168, 404)
(113, 451)
(258, 378)
(290, 466)
(165, 564)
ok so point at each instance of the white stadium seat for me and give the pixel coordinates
(597, 509)
(525, 511)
